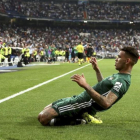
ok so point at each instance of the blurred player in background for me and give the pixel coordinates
(89, 52)
(80, 50)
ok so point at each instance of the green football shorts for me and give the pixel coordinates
(74, 106)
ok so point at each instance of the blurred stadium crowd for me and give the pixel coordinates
(101, 41)
(72, 10)
(49, 42)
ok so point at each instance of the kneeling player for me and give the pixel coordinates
(82, 108)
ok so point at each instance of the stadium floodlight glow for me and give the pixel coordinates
(131, 22)
(85, 21)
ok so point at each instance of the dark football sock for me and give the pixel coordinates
(64, 121)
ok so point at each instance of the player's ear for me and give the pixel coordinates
(128, 60)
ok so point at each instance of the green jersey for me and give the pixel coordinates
(117, 83)
(46, 50)
(53, 51)
(75, 51)
(78, 104)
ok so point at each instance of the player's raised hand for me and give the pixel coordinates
(79, 79)
(93, 61)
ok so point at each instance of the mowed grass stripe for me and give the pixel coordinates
(19, 115)
(41, 84)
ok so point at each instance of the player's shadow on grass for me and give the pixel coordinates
(32, 121)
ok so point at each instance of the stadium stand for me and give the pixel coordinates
(105, 25)
(94, 10)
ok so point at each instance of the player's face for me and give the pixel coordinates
(120, 61)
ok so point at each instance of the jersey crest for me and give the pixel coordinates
(117, 86)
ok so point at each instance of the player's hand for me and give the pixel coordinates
(93, 61)
(79, 79)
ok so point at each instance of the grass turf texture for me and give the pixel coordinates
(19, 115)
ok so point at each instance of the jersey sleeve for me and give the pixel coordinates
(120, 87)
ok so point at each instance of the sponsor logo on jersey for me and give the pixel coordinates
(111, 78)
(117, 86)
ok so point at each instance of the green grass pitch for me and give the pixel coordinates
(18, 116)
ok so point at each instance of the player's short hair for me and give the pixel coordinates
(132, 52)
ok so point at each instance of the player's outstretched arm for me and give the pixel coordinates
(99, 76)
(103, 101)
(79, 79)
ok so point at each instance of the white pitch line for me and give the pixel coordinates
(39, 85)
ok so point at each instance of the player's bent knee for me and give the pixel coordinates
(45, 116)
(42, 118)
